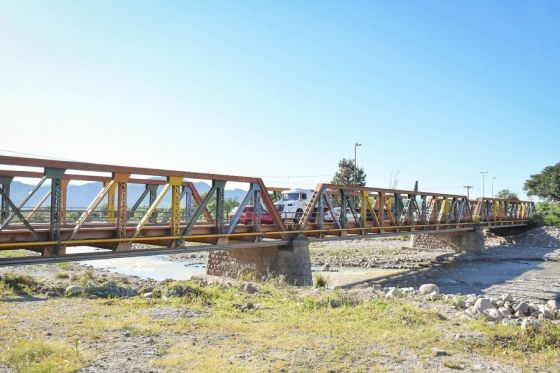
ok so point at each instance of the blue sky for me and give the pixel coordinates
(436, 91)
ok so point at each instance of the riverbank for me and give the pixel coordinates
(254, 327)
(68, 317)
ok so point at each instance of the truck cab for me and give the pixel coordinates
(292, 203)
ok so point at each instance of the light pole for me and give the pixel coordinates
(493, 177)
(355, 164)
(468, 188)
(483, 173)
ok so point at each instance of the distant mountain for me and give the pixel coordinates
(80, 196)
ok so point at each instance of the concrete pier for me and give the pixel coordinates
(291, 261)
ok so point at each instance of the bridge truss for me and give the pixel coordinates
(198, 221)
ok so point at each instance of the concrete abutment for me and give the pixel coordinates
(460, 241)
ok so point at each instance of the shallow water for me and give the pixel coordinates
(156, 267)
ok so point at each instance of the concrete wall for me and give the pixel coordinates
(292, 261)
(465, 241)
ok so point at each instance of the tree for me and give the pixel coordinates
(349, 174)
(506, 193)
(545, 184)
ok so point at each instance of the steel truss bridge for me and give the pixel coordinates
(190, 224)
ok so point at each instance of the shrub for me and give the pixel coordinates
(62, 275)
(319, 281)
(19, 284)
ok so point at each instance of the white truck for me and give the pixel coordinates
(292, 203)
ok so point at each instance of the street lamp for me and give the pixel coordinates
(493, 177)
(483, 173)
(355, 164)
(468, 188)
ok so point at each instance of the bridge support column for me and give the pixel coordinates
(462, 241)
(291, 261)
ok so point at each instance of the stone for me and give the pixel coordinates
(250, 288)
(149, 295)
(73, 290)
(483, 304)
(92, 296)
(505, 311)
(470, 300)
(428, 289)
(521, 309)
(494, 314)
(530, 323)
(506, 298)
(473, 312)
(393, 293)
(439, 352)
(433, 296)
(553, 306)
(326, 267)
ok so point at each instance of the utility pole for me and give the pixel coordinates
(493, 177)
(483, 173)
(355, 164)
(468, 188)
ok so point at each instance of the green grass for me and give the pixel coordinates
(319, 280)
(62, 275)
(12, 283)
(40, 356)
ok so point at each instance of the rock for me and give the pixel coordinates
(506, 298)
(464, 317)
(530, 323)
(73, 290)
(127, 334)
(473, 312)
(553, 306)
(393, 293)
(521, 309)
(505, 311)
(439, 352)
(92, 296)
(433, 296)
(428, 289)
(494, 314)
(149, 295)
(250, 288)
(471, 299)
(326, 267)
(484, 304)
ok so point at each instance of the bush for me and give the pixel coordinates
(319, 281)
(19, 284)
(547, 213)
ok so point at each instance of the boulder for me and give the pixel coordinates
(506, 298)
(428, 289)
(433, 296)
(483, 304)
(393, 293)
(505, 311)
(494, 314)
(73, 290)
(521, 309)
(249, 288)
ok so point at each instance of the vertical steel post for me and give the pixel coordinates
(342, 217)
(152, 198)
(63, 199)
(257, 207)
(122, 209)
(220, 185)
(5, 181)
(55, 174)
(175, 219)
(188, 203)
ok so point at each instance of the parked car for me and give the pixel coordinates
(349, 216)
(247, 215)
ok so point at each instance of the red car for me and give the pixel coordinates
(247, 216)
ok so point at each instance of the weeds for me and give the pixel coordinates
(18, 284)
(319, 280)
